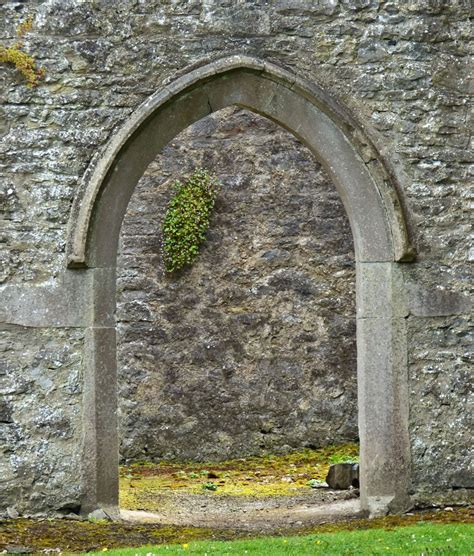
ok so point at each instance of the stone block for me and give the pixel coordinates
(380, 290)
(342, 476)
(437, 302)
(5, 412)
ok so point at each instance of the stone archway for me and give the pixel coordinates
(368, 189)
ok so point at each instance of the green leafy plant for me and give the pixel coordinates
(209, 486)
(187, 219)
(315, 483)
(22, 61)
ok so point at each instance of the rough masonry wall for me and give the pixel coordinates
(402, 67)
(40, 417)
(253, 348)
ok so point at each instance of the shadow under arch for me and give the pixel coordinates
(367, 186)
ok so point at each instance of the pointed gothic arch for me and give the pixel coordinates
(368, 186)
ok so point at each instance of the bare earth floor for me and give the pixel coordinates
(259, 494)
(262, 515)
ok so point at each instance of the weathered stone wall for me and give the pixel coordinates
(253, 348)
(40, 417)
(402, 67)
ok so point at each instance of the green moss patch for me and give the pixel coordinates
(83, 536)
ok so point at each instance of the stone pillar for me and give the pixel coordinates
(100, 434)
(100, 438)
(382, 388)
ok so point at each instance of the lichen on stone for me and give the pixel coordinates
(22, 61)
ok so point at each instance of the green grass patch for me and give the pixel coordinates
(422, 539)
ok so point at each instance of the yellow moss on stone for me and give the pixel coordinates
(22, 61)
(285, 475)
(24, 27)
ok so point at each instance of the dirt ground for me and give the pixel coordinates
(263, 515)
(258, 494)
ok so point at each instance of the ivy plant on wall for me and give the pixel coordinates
(187, 219)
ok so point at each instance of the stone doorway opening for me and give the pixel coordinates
(253, 348)
(251, 351)
(367, 185)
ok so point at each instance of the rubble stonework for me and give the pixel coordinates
(400, 67)
(253, 348)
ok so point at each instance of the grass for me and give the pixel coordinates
(422, 539)
(68, 536)
(254, 476)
